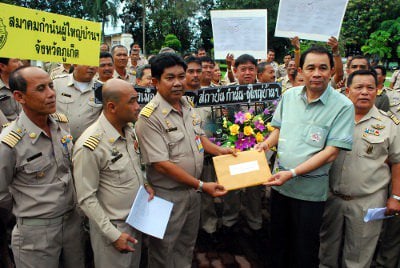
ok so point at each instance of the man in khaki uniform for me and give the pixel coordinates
(120, 56)
(359, 180)
(8, 106)
(107, 177)
(36, 179)
(60, 70)
(75, 98)
(173, 143)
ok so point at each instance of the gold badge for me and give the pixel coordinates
(164, 111)
(111, 140)
(378, 126)
(32, 135)
(40, 174)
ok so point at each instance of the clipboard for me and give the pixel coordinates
(248, 168)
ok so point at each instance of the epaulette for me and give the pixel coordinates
(148, 109)
(12, 138)
(391, 116)
(59, 117)
(189, 100)
(280, 79)
(92, 142)
(59, 76)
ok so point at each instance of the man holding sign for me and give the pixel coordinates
(312, 124)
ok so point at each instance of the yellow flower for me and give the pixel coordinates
(248, 130)
(234, 129)
(247, 117)
(259, 137)
(269, 127)
(225, 123)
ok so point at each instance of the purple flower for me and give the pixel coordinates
(239, 118)
(239, 144)
(258, 125)
(245, 144)
(251, 110)
(266, 111)
(240, 135)
(275, 102)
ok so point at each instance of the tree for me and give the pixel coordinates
(102, 11)
(173, 42)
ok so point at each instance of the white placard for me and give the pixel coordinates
(150, 217)
(310, 19)
(239, 32)
(243, 168)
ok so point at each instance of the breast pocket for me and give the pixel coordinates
(315, 135)
(118, 171)
(94, 105)
(176, 144)
(372, 147)
(36, 171)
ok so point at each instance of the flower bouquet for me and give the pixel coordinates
(245, 131)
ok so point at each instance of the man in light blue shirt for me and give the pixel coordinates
(312, 124)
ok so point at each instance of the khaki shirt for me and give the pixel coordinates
(166, 135)
(80, 107)
(286, 83)
(8, 105)
(60, 70)
(129, 77)
(35, 169)
(364, 170)
(394, 101)
(282, 71)
(107, 175)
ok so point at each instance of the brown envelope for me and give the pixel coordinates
(248, 168)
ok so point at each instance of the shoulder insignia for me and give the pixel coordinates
(6, 125)
(148, 109)
(59, 76)
(92, 142)
(11, 139)
(59, 117)
(393, 117)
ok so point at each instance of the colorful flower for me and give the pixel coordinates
(269, 127)
(234, 129)
(259, 137)
(259, 124)
(247, 117)
(239, 118)
(248, 130)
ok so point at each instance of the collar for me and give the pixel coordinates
(32, 129)
(323, 98)
(372, 113)
(166, 108)
(2, 85)
(110, 133)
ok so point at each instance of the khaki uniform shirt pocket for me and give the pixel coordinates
(118, 172)
(176, 146)
(35, 171)
(372, 147)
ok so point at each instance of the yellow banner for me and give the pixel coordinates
(38, 35)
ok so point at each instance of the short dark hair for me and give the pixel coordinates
(244, 58)
(380, 67)
(271, 50)
(360, 57)
(194, 59)
(4, 60)
(361, 72)
(261, 66)
(140, 70)
(106, 55)
(206, 59)
(316, 50)
(118, 46)
(165, 60)
(17, 81)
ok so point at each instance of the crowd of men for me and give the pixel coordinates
(71, 163)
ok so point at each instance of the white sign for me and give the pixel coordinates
(239, 32)
(310, 19)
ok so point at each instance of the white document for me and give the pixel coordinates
(243, 168)
(239, 32)
(375, 214)
(149, 217)
(310, 19)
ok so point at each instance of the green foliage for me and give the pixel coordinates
(173, 42)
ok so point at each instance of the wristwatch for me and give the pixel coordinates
(200, 187)
(396, 197)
